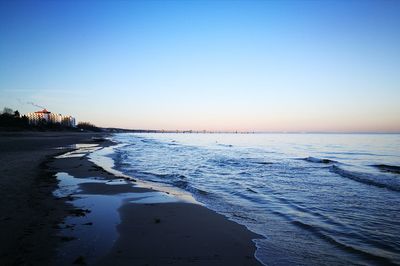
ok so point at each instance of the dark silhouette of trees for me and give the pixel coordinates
(7, 111)
(87, 126)
(11, 119)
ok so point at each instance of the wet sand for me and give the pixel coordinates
(29, 213)
(179, 234)
(146, 233)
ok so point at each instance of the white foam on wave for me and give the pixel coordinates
(103, 158)
(80, 150)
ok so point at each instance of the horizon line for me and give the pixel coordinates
(189, 131)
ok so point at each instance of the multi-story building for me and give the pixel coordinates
(45, 116)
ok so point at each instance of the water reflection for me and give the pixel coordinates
(91, 229)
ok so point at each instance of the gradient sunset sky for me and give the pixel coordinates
(214, 65)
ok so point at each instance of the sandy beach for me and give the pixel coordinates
(35, 224)
(29, 213)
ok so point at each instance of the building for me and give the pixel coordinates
(44, 116)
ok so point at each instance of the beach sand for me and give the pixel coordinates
(148, 233)
(30, 214)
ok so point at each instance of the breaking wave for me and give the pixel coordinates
(318, 160)
(366, 178)
(318, 232)
(388, 168)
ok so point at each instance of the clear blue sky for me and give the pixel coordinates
(228, 65)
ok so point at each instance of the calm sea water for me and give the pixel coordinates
(316, 198)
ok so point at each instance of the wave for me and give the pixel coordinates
(318, 160)
(225, 145)
(185, 185)
(316, 231)
(201, 191)
(166, 177)
(181, 184)
(244, 163)
(172, 144)
(145, 140)
(176, 180)
(264, 163)
(366, 178)
(388, 168)
(357, 153)
(243, 216)
(251, 190)
(223, 162)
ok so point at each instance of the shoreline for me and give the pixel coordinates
(160, 231)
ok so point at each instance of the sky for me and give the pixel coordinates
(206, 65)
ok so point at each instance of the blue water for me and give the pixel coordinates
(316, 198)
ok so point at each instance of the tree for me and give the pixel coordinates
(87, 126)
(11, 119)
(7, 111)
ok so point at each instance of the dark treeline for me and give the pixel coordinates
(12, 120)
(87, 126)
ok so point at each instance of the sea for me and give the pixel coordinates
(314, 199)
